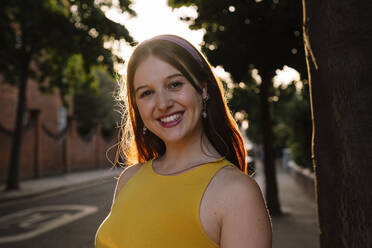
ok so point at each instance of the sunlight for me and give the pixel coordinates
(224, 76)
(245, 124)
(286, 76)
(256, 76)
(154, 18)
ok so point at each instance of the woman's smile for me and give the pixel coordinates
(171, 120)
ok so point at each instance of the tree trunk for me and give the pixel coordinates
(341, 90)
(13, 171)
(272, 198)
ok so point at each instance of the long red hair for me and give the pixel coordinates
(219, 126)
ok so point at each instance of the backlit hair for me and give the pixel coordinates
(219, 126)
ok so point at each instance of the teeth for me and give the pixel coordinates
(170, 118)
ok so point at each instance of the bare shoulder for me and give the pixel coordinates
(242, 209)
(236, 190)
(124, 177)
(234, 181)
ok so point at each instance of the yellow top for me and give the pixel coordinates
(159, 211)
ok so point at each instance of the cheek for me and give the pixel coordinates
(144, 110)
(191, 99)
(197, 103)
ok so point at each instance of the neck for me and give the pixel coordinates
(190, 152)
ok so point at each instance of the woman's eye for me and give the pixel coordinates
(176, 84)
(146, 93)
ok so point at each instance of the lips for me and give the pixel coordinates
(171, 120)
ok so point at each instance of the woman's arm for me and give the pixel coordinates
(245, 219)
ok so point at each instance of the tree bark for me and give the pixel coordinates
(341, 91)
(271, 193)
(13, 171)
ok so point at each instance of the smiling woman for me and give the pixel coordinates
(186, 184)
(168, 104)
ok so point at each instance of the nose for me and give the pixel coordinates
(164, 101)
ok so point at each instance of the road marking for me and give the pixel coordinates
(31, 222)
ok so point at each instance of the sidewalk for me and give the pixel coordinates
(298, 226)
(35, 187)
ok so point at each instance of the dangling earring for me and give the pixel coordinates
(144, 130)
(204, 113)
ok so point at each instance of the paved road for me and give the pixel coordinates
(67, 218)
(70, 218)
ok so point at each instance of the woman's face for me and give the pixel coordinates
(168, 104)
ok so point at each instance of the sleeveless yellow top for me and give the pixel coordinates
(159, 211)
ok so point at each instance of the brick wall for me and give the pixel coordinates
(57, 155)
(47, 149)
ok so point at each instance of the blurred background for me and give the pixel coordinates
(61, 63)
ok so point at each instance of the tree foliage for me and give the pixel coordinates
(292, 122)
(244, 99)
(92, 95)
(50, 32)
(38, 40)
(291, 118)
(240, 34)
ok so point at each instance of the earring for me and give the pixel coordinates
(204, 113)
(144, 130)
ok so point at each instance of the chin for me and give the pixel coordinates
(177, 134)
(173, 139)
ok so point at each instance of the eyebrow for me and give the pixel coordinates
(167, 78)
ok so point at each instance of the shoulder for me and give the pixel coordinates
(235, 190)
(242, 209)
(125, 175)
(234, 182)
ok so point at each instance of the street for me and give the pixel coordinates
(69, 217)
(66, 218)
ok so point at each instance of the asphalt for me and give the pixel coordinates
(35, 187)
(296, 228)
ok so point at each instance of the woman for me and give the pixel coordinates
(188, 185)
